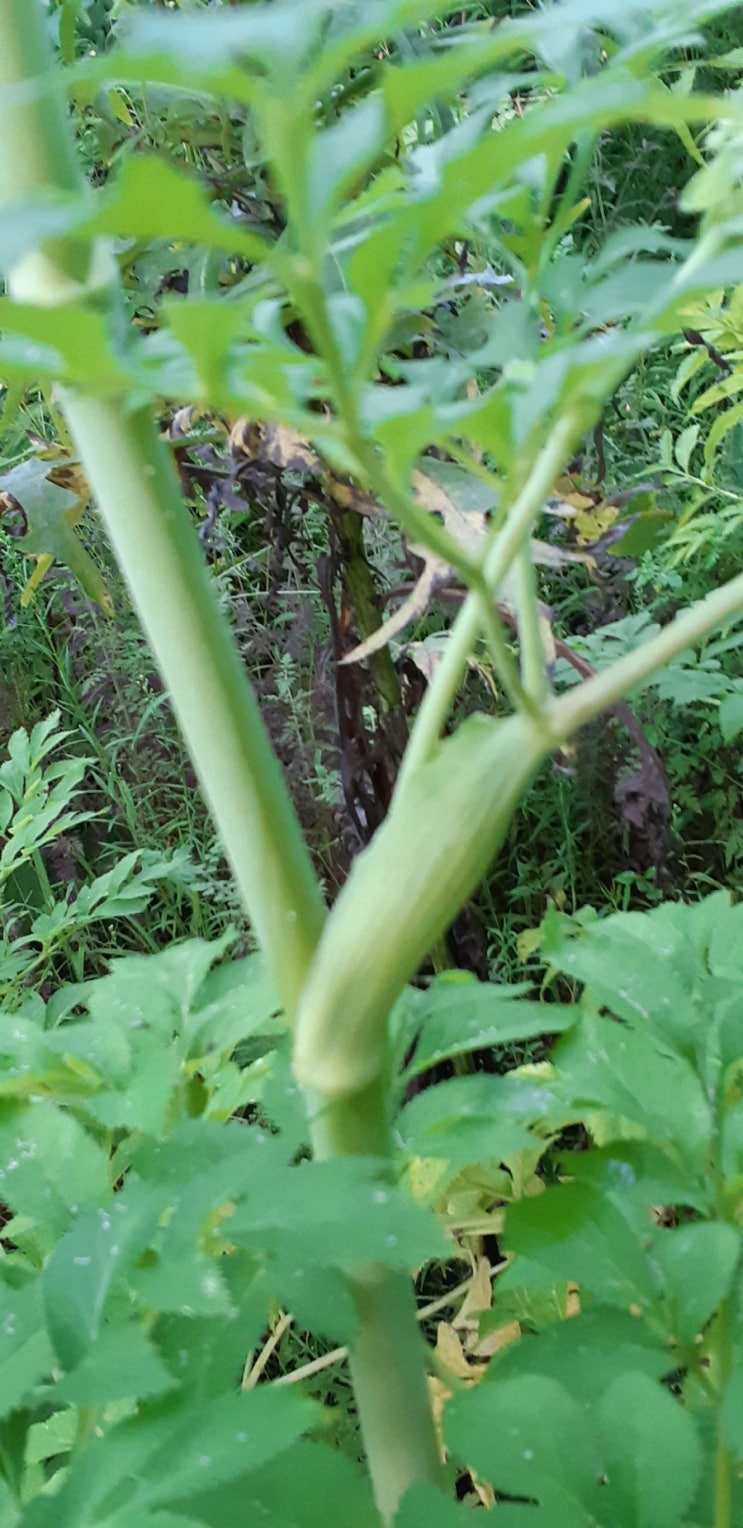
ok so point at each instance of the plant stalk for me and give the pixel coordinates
(386, 1355)
(135, 485)
(137, 491)
(500, 554)
(39, 155)
(589, 699)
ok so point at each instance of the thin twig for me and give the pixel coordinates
(252, 1375)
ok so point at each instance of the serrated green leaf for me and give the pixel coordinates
(730, 716)
(55, 1436)
(26, 1355)
(474, 1119)
(528, 1437)
(584, 1353)
(70, 342)
(295, 1491)
(236, 1434)
(121, 1363)
(640, 1424)
(684, 445)
(452, 1019)
(49, 1164)
(697, 1263)
(577, 1235)
(151, 199)
(338, 1213)
(632, 1082)
(85, 1264)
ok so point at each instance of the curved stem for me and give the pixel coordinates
(582, 704)
(436, 704)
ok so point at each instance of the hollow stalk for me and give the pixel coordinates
(134, 483)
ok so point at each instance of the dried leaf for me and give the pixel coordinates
(451, 1357)
(436, 575)
(465, 526)
(495, 1342)
(277, 444)
(479, 1296)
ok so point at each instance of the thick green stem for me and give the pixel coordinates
(134, 482)
(391, 1390)
(137, 490)
(38, 152)
(386, 1356)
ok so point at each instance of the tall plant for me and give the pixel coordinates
(363, 218)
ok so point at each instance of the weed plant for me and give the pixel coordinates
(371, 296)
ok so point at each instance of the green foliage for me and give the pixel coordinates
(38, 807)
(147, 1241)
(153, 1138)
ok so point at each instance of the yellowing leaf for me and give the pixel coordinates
(451, 1358)
(51, 514)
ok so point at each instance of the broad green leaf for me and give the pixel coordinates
(184, 1271)
(475, 1119)
(49, 1165)
(296, 1490)
(151, 199)
(318, 1297)
(731, 716)
(26, 1355)
(204, 1448)
(584, 1353)
(529, 1437)
(425, 1507)
(121, 1363)
(341, 153)
(638, 1175)
(697, 1263)
(634, 1083)
(204, 1354)
(577, 1235)
(70, 343)
(55, 1436)
(236, 1000)
(85, 1264)
(640, 968)
(453, 1018)
(337, 1212)
(161, 1458)
(640, 1425)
